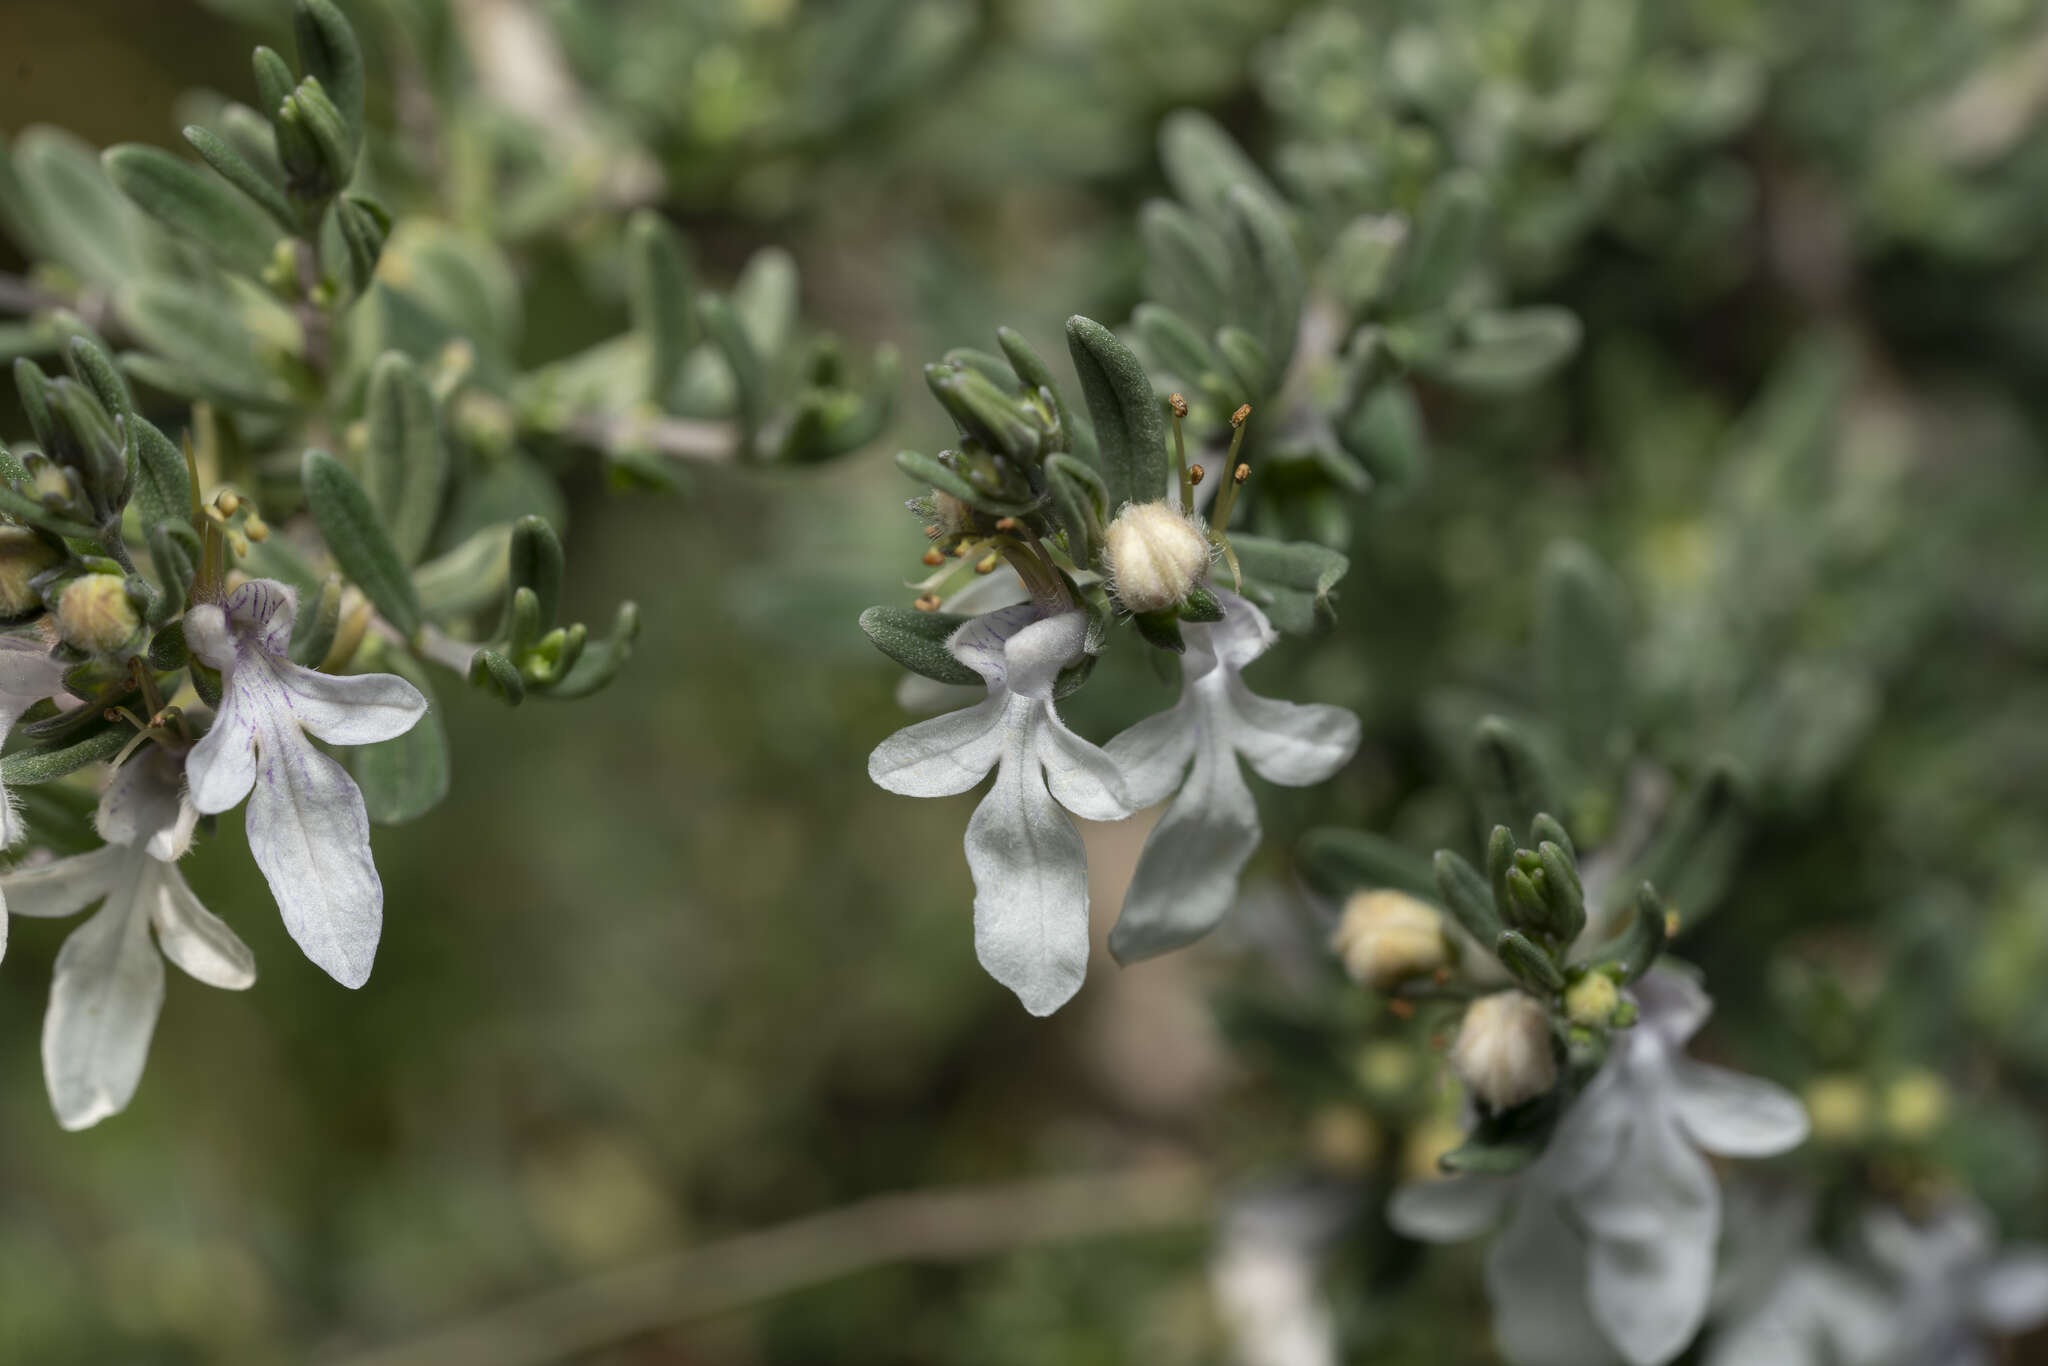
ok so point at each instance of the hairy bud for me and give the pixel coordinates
(95, 615)
(1591, 1000)
(1503, 1052)
(1156, 554)
(23, 555)
(1385, 938)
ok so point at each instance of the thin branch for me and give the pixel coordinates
(681, 437)
(922, 1226)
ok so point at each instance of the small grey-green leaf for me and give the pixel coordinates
(236, 169)
(27, 766)
(163, 486)
(1509, 778)
(1505, 353)
(353, 534)
(1270, 280)
(1441, 249)
(1337, 862)
(661, 297)
(1187, 265)
(197, 206)
(1581, 653)
(405, 465)
(917, 641)
(1130, 432)
(1291, 580)
(1204, 164)
(328, 50)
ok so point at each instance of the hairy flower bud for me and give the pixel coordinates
(95, 615)
(23, 555)
(1385, 938)
(1503, 1052)
(1156, 554)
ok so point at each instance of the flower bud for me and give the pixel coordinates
(23, 555)
(95, 615)
(1503, 1050)
(1838, 1107)
(1385, 938)
(1156, 554)
(1591, 1000)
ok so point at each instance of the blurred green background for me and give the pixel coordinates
(665, 967)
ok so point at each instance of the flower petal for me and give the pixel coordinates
(1154, 753)
(104, 998)
(1536, 1279)
(1186, 880)
(1449, 1209)
(28, 674)
(944, 755)
(1030, 888)
(2012, 1294)
(1290, 743)
(1082, 777)
(980, 644)
(310, 835)
(1034, 656)
(221, 768)
(63, 886)
(262, 611)
(1651, 1222)
(193, 937)
(351, 709)
(142, 801)
(1735, 1115)
(208, 637)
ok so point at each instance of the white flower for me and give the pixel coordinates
(307, 826)
(109, 982)
(28, 674)
(1956, 1286)
(1503, 1050)
(1266, 1273)
(1029, 866)
(1781, 1302)
(1608, 1253)
(1187, 876)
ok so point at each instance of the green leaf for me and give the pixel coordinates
(314, 136)
(1130, 431)
(1385, 432)
(917, 641)
(750, 393)
(28, 766)
(1187, 265)
(365, 226)
(1470, 901)
(1247, 363)
(1291, 580)
(1081, 502)
(1581, 653)
(1270, 280)
(1361, 261)
(1692, 859)
(94, 369)
(1443, 246)
(491, 671)
(1176, 347)
(405, 463)
(1337, 862)
(275, 81)
(600, 662)
(353, 534)
(660, 292)
(986, 413)
(930, 469)
(1509, 779)
(329, 51)
(217, 152)
(86, 223)
(536, 564)
(1204, 164)
(764, 299)
(199, 333)
(318, 623)
(1506, 353)
(163, 486)
(467, 578)
(406, 776)
(197, 206)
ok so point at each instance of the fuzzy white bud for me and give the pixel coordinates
(1156, 554)
(1385, 938)
(23, 555)
(1503, 1052)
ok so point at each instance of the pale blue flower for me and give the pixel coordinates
(1608, 1250)
(28, 674)
(108, 987)
(1029, 865)
(307, 826)
(1187, 876)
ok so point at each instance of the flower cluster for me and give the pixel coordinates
(1016, 491)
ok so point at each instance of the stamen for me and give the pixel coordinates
(933, 556)
(927, 603)
(1195, 473)
(1178, 405)
(987, 563)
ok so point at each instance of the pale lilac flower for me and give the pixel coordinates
(28, 674)
(1782, 1302)
(307, 826)
(1955, 1286)
(1187, 876)
(109, 982)
(1029, 865)
(1608, 1252)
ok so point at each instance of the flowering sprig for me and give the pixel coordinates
(1033, 486)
